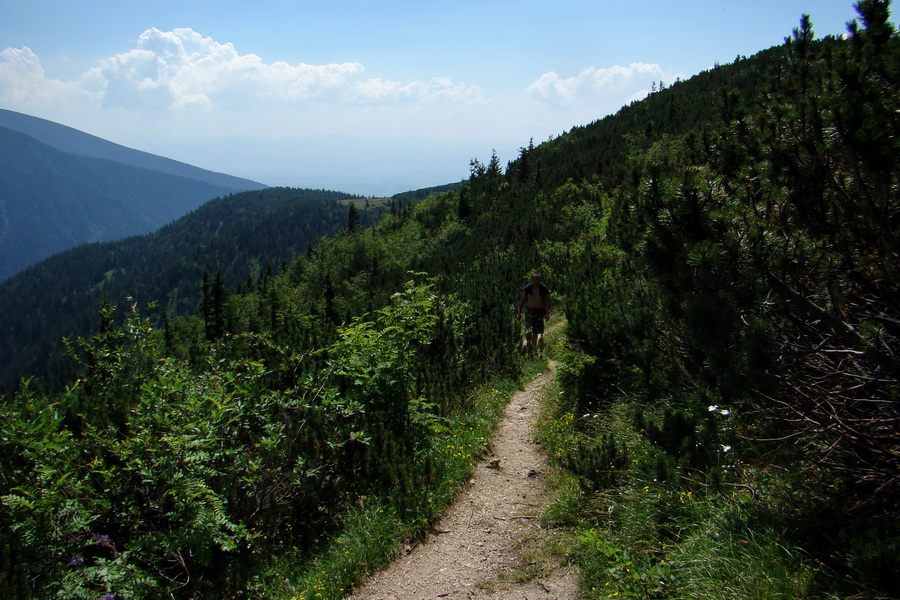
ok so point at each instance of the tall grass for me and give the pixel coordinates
(636, 535)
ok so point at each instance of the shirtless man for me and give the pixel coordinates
(536, 301)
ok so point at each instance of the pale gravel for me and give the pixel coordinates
(481, 548)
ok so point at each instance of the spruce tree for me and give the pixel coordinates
(352, 218)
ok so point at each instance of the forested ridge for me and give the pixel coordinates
(239, 238)
(725, 255)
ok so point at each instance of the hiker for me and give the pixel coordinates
(536, 302)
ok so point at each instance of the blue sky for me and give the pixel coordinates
(372, 97)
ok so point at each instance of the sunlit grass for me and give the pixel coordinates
(644, 538)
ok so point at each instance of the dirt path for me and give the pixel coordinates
(490, 544)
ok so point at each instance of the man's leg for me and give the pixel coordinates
(529, 328)
(537, 331)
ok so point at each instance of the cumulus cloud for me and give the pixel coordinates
(182, 69)
(592, 84)
(23, 82)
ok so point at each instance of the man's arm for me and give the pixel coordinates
(522, 300)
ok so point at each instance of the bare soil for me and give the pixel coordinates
(491, 544)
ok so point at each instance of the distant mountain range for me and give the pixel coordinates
(60, 187)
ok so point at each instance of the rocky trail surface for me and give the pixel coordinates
(491, 544)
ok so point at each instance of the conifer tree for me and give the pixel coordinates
(220, 296)
(494, 172)
(207, 305)
(352, 218)
(464, 209)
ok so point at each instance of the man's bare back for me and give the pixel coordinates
(535, 300)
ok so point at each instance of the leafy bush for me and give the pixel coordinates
(152, 476)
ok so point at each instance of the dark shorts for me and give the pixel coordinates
(534, 320)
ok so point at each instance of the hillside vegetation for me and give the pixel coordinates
(240, 238)
(725, 254)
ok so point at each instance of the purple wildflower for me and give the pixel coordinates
(76, 561)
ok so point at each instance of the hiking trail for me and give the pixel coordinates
(490, 544)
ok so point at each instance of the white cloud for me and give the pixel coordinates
(185, 81)
(181, 69)
(591, 84)
(23, 82)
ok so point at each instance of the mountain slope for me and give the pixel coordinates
(71, 140)
(52, 200)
